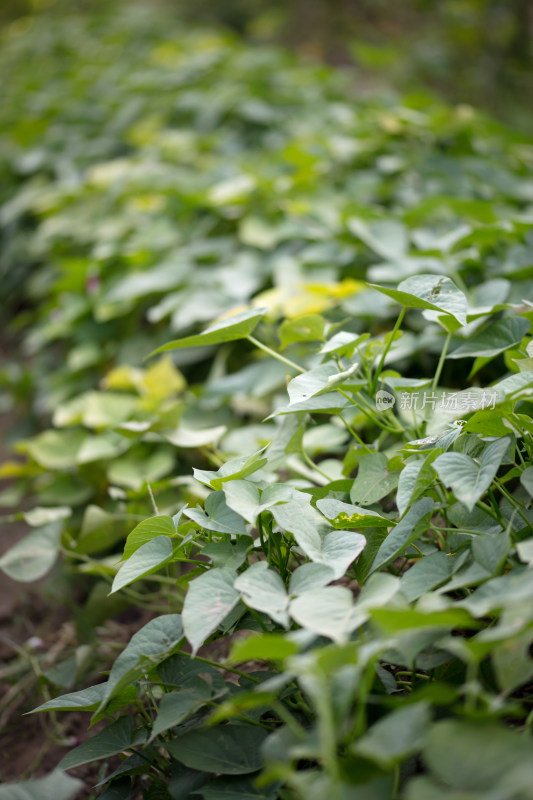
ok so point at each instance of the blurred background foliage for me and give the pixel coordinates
(472, 51)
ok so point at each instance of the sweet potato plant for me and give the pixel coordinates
(279, 367)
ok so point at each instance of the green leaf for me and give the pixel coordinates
(39, 516)
(487, 423)
(217, 516)
(415, 478)
(327, 403)
(55, 449)
(428, 573)
(226, 749)
(239, 326)
(236, 789)
(396, 620)
(262, 647)
(512, 662)
(54, 786)
(343, 343)
(148, 558)
(33, 556)
(133, 471)
(209, 600)
(435, 292)
(147, 648)
(193, 438)
(175, 707)
(182, 670)
(113, 739)
(525, 551)
(374, 480)
(346, 515)
(147, 530)
(320, 380)
(404, 533)
(440, 441)
(228, 554)
(328, 611)
(100, 530)
(336, 550)
(387, 237)
(499, 336)
(249, 501)
(88, 699)
(490, 551)
(472, 756)
(468, 479)
(526, 479)
(303, 329)
(262, 589)
(310, 576)
(396, 735)
(503, 592)
(235, 469)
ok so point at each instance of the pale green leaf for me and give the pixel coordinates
(346, 515)
(217, 515)
(468, 479)
(374, 480)
(434, 292)
(35, 554)
(262, 589)
(54, 786)
(209, 599)
(238, 326)
(145, 560)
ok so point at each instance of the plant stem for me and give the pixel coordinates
(273, 353)
(219, 666)
(441, 362)
(152, 498)
(512, 501)
(285, 716)
(354, 434)
(397, 324)
(309, 461)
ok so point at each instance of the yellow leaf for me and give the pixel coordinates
(124, 377)
(300, 299)
(163, 379)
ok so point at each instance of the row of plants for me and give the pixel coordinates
(338, 466)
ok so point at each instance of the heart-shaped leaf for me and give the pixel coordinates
(209, 600)
(499, 336)
(435, 292)
(262, 588)
(468, 479)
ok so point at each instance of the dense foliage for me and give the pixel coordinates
(333, 479)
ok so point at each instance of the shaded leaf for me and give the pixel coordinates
(226, 749)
